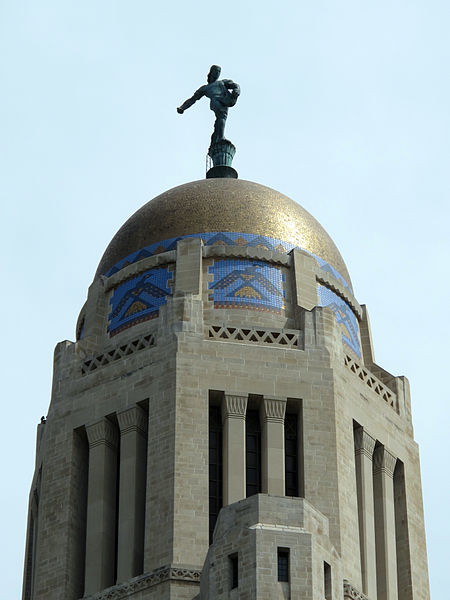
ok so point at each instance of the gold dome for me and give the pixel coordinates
(226, 205)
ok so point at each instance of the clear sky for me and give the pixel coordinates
(345, 108)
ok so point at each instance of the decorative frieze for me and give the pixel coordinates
(137, 584)
(364, 443)
(287, 338)
(384, 461)
(101, 360)
(371, 381)
(234, 406)
(350, 592)
(102, 432)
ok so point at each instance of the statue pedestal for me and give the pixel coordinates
(221, 155)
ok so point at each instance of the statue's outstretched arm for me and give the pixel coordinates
(190, 101)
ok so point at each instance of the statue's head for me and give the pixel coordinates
(214, 73)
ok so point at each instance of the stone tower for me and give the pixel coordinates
(219, 428)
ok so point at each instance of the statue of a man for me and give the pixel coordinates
(223, 93)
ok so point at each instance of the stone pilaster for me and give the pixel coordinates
(383, 490)
(273, 475)
(366, 338)
(234, 407)
(133, 459)
(364, 447)
(101, 507)
(304, 269)
(188, 277)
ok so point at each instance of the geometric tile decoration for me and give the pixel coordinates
(138, 299)
(243, 283)
(345, 317)
(287, 338)
(371, 381)
(226, 239)
(101, 360)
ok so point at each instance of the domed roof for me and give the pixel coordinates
(222, 205)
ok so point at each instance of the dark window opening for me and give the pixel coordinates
(291, 454)
(283, 564)
(327, 580)
(215, 467)
(252, 453)
(234, 572)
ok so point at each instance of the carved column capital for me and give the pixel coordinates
(132, 419)
(273, 409)
(102, 432)
(234, 406)
(384, 461)
(364, 443)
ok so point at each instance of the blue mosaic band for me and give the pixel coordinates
(344, 317)
(139, 299)
(241, 283)
(226, 239)
(237, 283)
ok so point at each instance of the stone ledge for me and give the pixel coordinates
(143, 582)
(252, 252)
(338, 288)
(138, 267)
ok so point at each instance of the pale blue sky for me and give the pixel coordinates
(344, 108)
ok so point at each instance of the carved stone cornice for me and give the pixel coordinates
(383, 461)
(273, 409)
(234, 406)
(364, 443)
(102, 432)
(350, 592)
(142, 582)
(132, 419)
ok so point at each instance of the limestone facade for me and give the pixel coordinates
(119, 504)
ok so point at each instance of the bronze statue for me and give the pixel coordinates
(223, 93)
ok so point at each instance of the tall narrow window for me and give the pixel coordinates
(327, 581)
(31, 548)
(234, 571)
(253, 453)
(283, 564)
(80, 463)
(215, 467)
(291, 454)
